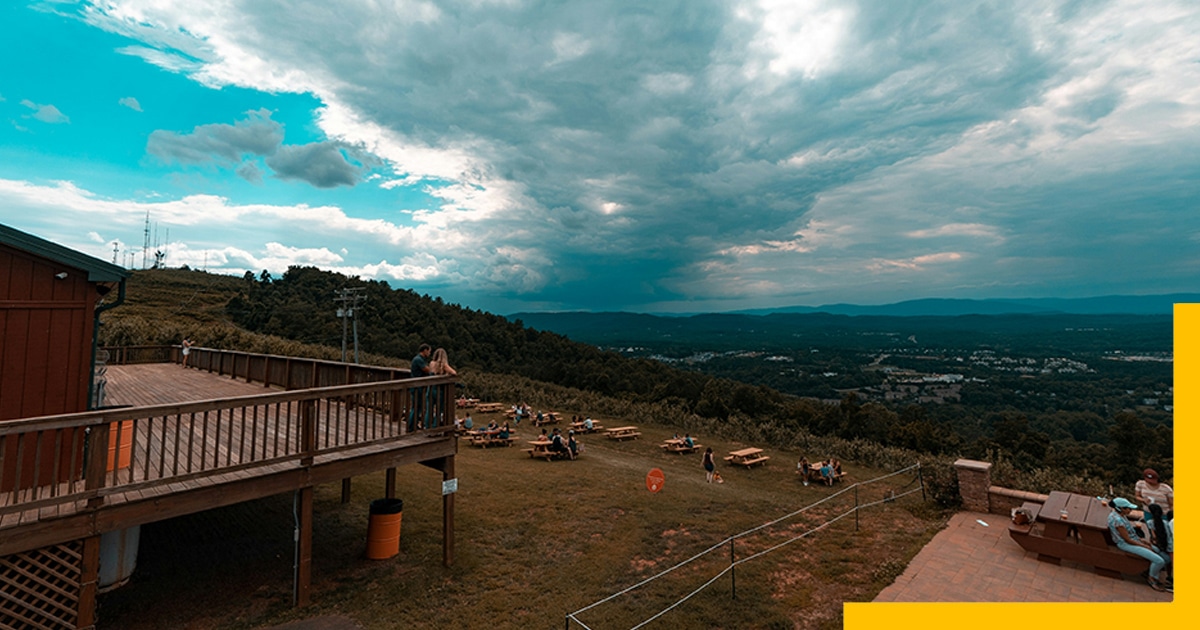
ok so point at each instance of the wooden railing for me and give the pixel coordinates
(268, 369)
(61, 460)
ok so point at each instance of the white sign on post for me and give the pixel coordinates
(449, 486)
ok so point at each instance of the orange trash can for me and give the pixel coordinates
(383, 530)
(120, 448)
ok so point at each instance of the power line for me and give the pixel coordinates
(348, 299)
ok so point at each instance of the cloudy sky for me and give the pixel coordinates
(667, 156)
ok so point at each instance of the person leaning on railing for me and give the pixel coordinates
(1128, 541)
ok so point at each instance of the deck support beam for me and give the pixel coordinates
(89, 578)
(389, 483)
(304, 548)
(448, 514)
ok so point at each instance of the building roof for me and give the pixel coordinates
(97, 270)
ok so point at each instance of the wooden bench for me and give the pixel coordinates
(484, 441)
(1109, 562)
(548, 455)
(681, 448)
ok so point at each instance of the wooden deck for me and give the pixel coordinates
(198, 440)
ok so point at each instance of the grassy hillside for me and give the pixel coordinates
(534, 541)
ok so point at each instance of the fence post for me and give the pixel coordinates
(856, 507)
(921, 480)
(732, 571)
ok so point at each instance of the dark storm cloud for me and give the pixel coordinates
(257, 134)
(321, 164)
(714, 150)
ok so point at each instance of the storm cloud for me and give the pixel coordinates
(700, 154)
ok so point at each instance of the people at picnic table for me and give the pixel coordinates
(544, 436)
(587, 423)
(572, 444)
(827, 472)
(557, 445)
(504, 432)
(467, 423)
(1148, 491)
(688, 441)
(492, 426)
(805, 469)
(1162, 536)
(1128, 541)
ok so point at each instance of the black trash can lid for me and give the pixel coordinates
(387, 506)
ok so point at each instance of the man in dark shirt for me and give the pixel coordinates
(420, 363)
(421, 408)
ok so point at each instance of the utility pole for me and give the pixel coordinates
(348, 300)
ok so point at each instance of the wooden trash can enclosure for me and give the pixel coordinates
(383, 530)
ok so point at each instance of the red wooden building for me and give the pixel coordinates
(50, 301)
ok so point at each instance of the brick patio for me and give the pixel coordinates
(970, 562)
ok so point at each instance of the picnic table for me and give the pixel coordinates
(679, 445)
(1074, 527)
(623, 433)
(580, 427)
(489, 407)
(484, 439)
(547, 418)
(466, 402)
(747, 457)
(541, 448)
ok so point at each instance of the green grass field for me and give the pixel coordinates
(536, 540)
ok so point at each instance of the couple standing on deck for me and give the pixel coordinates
(424, 365)
(426, 400)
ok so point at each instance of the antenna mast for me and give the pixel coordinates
(146, 239)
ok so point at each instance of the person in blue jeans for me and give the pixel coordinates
(1128, 541)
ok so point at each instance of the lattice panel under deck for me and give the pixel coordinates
(40, 588)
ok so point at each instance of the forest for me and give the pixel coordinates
(1087, 424)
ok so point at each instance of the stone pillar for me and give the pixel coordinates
(974, 479)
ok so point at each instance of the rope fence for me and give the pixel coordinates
(730, 541)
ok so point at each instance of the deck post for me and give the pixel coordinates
(308, 431)
(448, 514)
(304, 555)
(97, 461)
(389, 484)
(89, 576)
(346, 490)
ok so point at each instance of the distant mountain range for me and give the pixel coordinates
(1103, 305)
